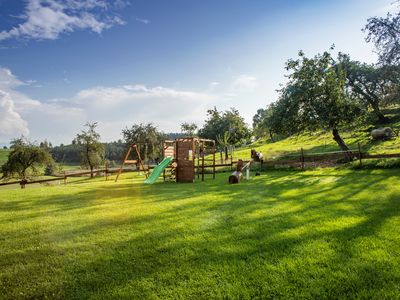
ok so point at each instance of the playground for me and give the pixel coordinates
(288, 234)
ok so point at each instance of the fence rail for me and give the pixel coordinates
(300, 159)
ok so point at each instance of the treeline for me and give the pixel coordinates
(330, 93)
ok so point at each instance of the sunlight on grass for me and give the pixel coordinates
(324, 233)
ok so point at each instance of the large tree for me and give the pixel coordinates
(218, 122)
(316, 97)
(92, 149)
(148, 139)
(371, 84)
(189, 129)
(24, 159)
(385, 34)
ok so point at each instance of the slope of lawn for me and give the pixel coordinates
(316, 142)
(315, 234)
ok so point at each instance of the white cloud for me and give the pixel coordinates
(245, 83)
(11, 122)
(47, 19)
(59, 120)
(144, 21)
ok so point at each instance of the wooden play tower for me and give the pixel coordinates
(190, 156)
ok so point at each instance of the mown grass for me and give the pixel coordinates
(315, 234)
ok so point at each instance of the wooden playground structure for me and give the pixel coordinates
(184, 160)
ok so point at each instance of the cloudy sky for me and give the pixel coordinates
(66, 62)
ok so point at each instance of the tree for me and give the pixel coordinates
(25, 158)
(385, 34)
(224, 141)
(220, 122)
(371, 84)
(92, 149)
(264, 122)
(189, 129)
(147, 138)
(316, 97)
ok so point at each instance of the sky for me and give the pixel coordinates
(67, 62)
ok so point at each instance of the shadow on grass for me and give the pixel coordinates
(285, 234)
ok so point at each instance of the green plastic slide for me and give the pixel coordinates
(157, 170)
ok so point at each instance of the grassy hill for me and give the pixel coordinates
(315, 142)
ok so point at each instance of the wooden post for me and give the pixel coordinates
(198, 161)
(65, 178)
(359, 154)
(202, 161)
(214, 159)
(302, 159)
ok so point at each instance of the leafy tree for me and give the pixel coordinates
(265, 122)
(224, 141)
(385, 34)
(316, 97)
(220, 122)
(24, 159)
(189, 129)
(370, 83)
(147, 138)
(92, 152)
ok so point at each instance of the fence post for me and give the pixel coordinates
(65, 178)
(359, 154)
(106, 171)
(302, 159)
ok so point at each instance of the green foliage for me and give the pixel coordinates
(323, 234)
(24, 159)
(224, 141)
(189, 129)
(371, 84)
(228, 121)
(92, 152)
(148, 139)
(316, 98)
(385, 34)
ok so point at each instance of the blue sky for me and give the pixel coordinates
(66, 62)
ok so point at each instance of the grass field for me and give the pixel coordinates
(322, 233)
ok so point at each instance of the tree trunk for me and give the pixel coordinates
(381, 117)
(338, 139)
(91, 171)
(226, 153)
(271, 136)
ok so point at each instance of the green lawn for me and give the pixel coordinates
(315, 234)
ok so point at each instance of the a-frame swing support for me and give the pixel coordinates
(128, 161)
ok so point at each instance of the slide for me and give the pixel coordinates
(157, 170)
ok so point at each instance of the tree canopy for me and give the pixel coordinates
(370, 83)
(148, 139)
(92, 153)
(385, 34)
(316, 98)
(219, 122)
(24, 159)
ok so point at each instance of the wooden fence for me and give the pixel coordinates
(299, 160)
(302, 159)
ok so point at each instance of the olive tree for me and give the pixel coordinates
(24, 159)
(316, 97)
